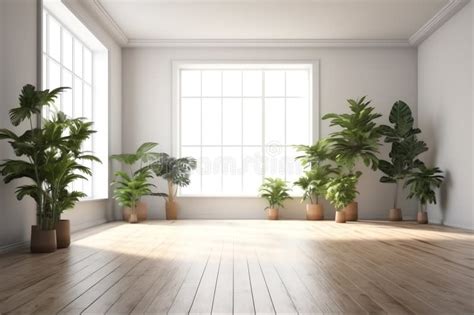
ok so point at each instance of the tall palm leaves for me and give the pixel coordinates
(49, 156)
(358, 137)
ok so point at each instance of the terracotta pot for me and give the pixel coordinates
(314, 212)
(133, 218)
(272, 214)
(142, 212)
(63, 233)
(422, 217)
(395, 214)
(340, 216)
(171, 210)
(42, 241)
(351, 211)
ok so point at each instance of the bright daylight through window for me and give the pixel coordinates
(69, 61)
(241, 122)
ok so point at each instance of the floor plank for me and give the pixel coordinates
(247, 267)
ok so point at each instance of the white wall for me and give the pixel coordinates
(445, 110)
(384, 74)
(17, 67)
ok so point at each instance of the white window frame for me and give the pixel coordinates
(178, 65)
(46, 59)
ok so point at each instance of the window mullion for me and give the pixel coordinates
(263, 125)
(200, 73)
(222, 131)
(284, 128)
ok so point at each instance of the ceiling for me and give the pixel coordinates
(149, 21)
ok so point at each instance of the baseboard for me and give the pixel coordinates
(85, 225)
(11, 247)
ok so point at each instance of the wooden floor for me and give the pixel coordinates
(247, 267)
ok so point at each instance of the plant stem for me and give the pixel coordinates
(395, 198)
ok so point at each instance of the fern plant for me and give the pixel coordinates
(341, 190)
(358, 137)
(275, 191)
(405, 147)
(421, 184)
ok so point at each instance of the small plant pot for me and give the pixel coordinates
(340, 216)
(351, 211)
(314, 212)
(142, 212)
(133, 218)
(171, 210)
(272, 214)
(395, 214)
(422, 217)
(63, 233)
(42, 241)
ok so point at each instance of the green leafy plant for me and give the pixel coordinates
(313, 155)
(176, 171)
(358, 137)
(341, 190)
(275, 191)
(421, 183)
(48, 156)
(405, 147)
(131, 186)
(314, 180)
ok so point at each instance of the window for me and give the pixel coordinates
(240, 122)
(69, 61)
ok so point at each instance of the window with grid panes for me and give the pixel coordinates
(240, 122)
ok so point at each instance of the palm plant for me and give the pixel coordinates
(314, 182)
(313, 155)
(131, 186)
(34, 151)
(358, 137)
(341, 190)
(405, 147)
(275, 191)
(421, 183)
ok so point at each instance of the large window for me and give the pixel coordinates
(69, 61)
(241, 122)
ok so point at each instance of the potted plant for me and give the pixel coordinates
(66, 165)
(340, 192)
(31, 148)
(357, 140)
(275, 191)
(421, 183)
(176, 172)
(404, 151)
(314, 180)
(133, 184)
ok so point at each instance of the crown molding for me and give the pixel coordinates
(265, 43)
(111, 25)
(437, 21)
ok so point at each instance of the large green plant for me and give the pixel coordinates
(421, 183)
(313, 155)
(405, 147)
(49, 156)
(176, 171)
(358, 135)
(133, 184)
(341, 190)
(275, 191)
